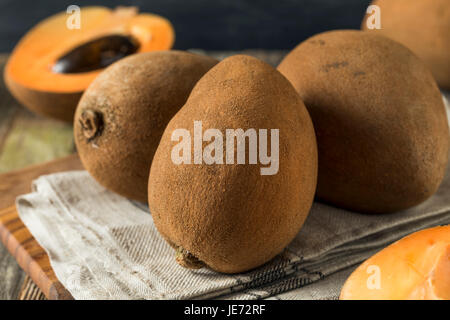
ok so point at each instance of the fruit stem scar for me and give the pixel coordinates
(187, 259)
(91, 124)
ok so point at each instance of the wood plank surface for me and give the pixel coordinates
(30, 291)
(16, 237)
(32, 139)
(18, 182)
(8, 106)
(25, 139)
(11, 275)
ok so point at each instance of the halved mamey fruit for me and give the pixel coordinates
(52, 64)
(416, 267)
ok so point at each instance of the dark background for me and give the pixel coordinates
(208, 24)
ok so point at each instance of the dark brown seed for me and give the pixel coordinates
(96, 54)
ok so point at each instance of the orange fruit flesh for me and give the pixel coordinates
(416, 267)
(31, 61)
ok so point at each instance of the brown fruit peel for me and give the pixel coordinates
(327, 70)
(227, 203)
(187, 260)
(117, 133)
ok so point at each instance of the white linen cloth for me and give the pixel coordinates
(103, 246)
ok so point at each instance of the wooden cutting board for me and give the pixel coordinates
(15, 236)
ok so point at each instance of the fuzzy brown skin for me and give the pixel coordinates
(134, 100)
(229, 216)
(422, 26)
(60, 106)
(380, 122)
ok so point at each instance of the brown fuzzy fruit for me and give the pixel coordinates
(123, 113)
(422, 26)
(229, 216)
(380, 122)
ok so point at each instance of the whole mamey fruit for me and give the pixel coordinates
(380, 121)
(416, 267)
(123, 113)
(56, 60)
(422, 26)
(228, 214)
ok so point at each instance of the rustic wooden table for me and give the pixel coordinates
(27, 139)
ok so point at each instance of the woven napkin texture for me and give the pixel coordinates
(103, 246)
